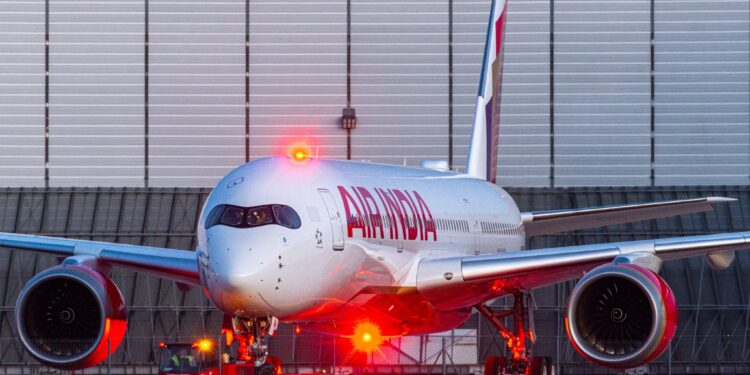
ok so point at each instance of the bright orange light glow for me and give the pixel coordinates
(367, 337)
(162, 344)
(228, 335)
(204, 345)
(299, 152)
(297, 330)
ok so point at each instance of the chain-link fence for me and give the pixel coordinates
(458, 352)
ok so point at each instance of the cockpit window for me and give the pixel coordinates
(251, 217)
(258, 216)
(286, 216)
(232, 216)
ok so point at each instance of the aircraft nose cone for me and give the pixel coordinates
(236, 273)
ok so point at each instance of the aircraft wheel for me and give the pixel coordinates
(275, 362)
(540, 366)
(266, 369)
(495, 365)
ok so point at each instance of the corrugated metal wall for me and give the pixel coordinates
(96, 93)
(702, 104)
(176, 93)
(22, 94)
(196, 106)
(400, 80)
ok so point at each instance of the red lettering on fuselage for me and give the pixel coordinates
(352, 222)
(397, 212)
(427, 217)
(372, 208)
(394, 207)
(390, 218)
(365, 214)
(411, 220)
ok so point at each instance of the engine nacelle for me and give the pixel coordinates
(71, 317)
(621, 316)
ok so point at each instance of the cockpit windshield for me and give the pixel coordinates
(250, 217)
(258, 216)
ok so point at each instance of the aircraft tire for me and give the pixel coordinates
(540, 366)
(266, 369)
(495, 365)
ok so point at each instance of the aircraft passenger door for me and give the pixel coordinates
(334, 217)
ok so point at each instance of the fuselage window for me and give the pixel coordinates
(251, 217)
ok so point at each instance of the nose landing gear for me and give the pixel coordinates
(520, 362)
(251, 335)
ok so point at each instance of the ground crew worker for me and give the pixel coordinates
(184, 361)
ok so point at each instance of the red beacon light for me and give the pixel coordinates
(300, 153)
(367, 337)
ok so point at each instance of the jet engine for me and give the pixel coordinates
(621, 316)
(71, 317)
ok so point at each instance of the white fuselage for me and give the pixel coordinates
(364, 229)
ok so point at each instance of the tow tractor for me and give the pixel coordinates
(188, 358)
(203, 357)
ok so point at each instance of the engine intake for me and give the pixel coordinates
(71, 317)
(621, 316)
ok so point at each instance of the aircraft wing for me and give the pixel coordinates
(177, 265)
(456, 282)
(548, 222)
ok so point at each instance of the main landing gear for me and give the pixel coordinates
(520, 361)
(253, 349)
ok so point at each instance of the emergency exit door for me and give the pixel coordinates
(334, 217)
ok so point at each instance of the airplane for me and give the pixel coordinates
(370, 251)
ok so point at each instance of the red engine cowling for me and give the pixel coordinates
(621, 316)
(71, 317)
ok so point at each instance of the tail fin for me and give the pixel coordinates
(482, 161)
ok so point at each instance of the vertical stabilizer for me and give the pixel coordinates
(482, 160)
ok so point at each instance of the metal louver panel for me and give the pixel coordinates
(96, 93)
(196, 91)
(22, 94)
